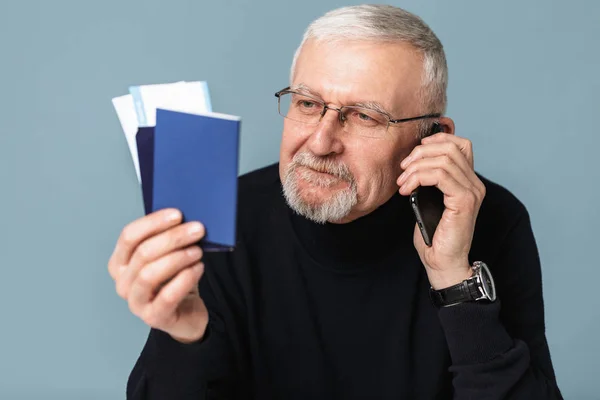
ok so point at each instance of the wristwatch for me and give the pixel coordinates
(478, 287)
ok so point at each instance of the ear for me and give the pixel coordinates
(448, 125)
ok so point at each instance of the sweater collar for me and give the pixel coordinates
(362, 242)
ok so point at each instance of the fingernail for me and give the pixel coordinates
(401, 178)
(195, 227)
(405, 162)
(173, 216)
(198, 268)
(193, 252)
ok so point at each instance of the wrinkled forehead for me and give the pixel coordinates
(345, 72)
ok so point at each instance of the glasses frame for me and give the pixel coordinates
(340, 113)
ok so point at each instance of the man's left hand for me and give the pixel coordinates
(446, 161)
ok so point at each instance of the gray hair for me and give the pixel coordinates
(385, 23)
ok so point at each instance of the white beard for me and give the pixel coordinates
(338, 206)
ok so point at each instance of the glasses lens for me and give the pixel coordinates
(365, 122)
(356, 120)
(300, 108)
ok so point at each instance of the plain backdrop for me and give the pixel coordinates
(523, 87)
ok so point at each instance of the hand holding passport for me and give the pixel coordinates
(185, 155)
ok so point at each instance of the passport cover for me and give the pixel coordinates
(195, 170)
(144, 139)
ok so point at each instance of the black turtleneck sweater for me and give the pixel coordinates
(341, 311)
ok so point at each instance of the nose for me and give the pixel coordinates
(337, 110)
(325, 139)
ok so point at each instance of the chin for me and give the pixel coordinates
(318, 196)
(315, 197)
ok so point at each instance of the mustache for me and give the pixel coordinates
(322, 164)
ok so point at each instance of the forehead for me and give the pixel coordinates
(358, 71)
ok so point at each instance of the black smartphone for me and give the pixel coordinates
(427, 203)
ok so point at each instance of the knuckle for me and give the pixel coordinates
(152, 319)
(145, 278)
(470, 199)
(170, 239)
(176, 238)
(477, 194)
(448, 147)
(446, 160)
(169, 299)
(133, 308)
(129, 235)
(184, 256)
(144, 253)
(113, 270)
(121, 289)
(412, 177)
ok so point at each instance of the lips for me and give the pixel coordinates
(316, 178)
(318, 171)
(321, 172)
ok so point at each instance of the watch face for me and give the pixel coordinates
(488, 282)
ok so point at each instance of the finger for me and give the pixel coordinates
(438, 149)
(452, 151)
(169, 297)
(442, 162)
(158, 273)
(461, 153)
(464, 145)
(455, 194)
(155, 247)
(136, 232)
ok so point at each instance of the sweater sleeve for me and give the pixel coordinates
(499, 350)
(168, 369)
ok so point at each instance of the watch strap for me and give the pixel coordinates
(480, 286)
(458, 293)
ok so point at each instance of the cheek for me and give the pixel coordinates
(292, 139)
(375, 177)
(376, 170)
(369, 174)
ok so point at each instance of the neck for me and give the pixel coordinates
(360, 242)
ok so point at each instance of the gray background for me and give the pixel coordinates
(524, 87)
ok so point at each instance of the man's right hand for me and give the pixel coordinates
(156, 267)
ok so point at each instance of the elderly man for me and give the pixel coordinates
(331, 292)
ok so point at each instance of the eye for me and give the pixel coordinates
(306, 104)
(363, 117)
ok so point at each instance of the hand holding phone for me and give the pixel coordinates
(427, 203)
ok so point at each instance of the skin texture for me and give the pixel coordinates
(391, 75)
(156, 266)
(156, 269)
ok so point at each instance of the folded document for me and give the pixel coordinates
(186, 156)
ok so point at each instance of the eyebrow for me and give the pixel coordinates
(301, 87)
(371, 105)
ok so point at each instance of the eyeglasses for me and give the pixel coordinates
(355, 120)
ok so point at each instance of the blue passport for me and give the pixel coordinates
(144, 140)
(195, 170)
